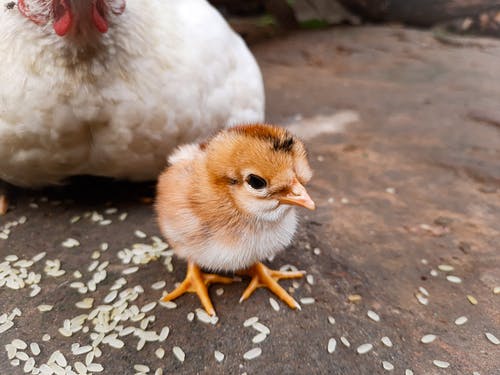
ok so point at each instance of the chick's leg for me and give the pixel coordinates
(265, 277)
(196, 282)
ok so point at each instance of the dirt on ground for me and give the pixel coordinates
(404, 138)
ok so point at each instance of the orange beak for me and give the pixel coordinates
(297, 196)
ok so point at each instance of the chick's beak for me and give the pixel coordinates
(297, 196)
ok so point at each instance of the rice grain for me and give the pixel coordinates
(252, 354)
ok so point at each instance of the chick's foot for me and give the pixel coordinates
(265, 277)
(197, 281)
(4, 204)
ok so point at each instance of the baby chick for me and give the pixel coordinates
(228, 204)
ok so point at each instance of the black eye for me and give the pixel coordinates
(256, 182)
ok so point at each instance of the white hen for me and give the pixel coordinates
(94, 87)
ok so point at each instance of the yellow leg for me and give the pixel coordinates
(4, 204)
(197, 282)
(264, 277)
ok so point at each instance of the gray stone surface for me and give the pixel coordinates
(427, 128)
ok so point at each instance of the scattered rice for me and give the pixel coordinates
(80, 368)
(424, 291)
(332, 345)
(219, 356)
(461, 320)
(354, 298)
(331, 319)
(140, 234)
(204, 317)
(373, 316)
(86, 303)
(219, 291)
(11, 351)
(386, 341)
(408, 372)
(163, 334)
(250, 321)
(472, 299)
(492, 338)
(310, 279)
(116, 343)
(58, 358)
(140, 344)
(160, 353)
(257, 339)
(446, 268)
(454, 279)
(387, 366)
(142, 368)
(178, 353)
(79, 350)
(441, 364)
(159, 285)
(261, 328)
(364, 348)
(70, 243)
(29, 365)
(344, 341)
(496, 290)
(128, 271)
(46, 337)
(274, 304)
(252, 354)
(6, 326)
(111, 296)
(427, 339)
(19, 344)
(22, 356)
(95, 367)
(35, 290)
(39, 257)
(148, 307)
(307, 301)
(168, 304)
(421, 299)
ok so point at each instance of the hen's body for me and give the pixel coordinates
(115, 104)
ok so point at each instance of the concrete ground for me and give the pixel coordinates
(404, 138)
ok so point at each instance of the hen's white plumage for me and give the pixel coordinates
(167, 72)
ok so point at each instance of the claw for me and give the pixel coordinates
(264, 277)
(197, 282)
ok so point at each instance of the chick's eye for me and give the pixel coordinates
(256, 182)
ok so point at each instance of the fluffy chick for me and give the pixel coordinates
(227, 204)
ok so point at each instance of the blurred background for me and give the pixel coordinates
(257, 19)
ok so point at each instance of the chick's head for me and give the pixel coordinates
(262, 169)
